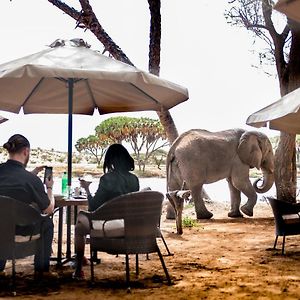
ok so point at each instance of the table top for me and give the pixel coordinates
(60, 201)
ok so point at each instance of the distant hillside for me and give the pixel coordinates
(42, 156)
(82, 163)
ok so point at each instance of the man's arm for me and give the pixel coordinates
(49, 186)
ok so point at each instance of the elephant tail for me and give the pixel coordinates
(170, 159)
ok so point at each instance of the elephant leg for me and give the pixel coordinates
(201, 210)
(248, 190)
(235, 201)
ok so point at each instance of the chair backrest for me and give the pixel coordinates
(13, 214)
(281, 208)
(140, 211)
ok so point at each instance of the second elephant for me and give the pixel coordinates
(200, 157)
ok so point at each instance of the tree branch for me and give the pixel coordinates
(278, 40)
(155, 37)
(86, 19)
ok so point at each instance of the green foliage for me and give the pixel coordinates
(96, 145)
(189, 222)
(143, 134)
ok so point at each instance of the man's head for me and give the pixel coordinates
(18, 148)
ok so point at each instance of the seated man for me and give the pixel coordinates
(25, 186)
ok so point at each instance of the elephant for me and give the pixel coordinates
(199, 157)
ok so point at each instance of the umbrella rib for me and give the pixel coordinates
(90, 92)
(33, 90)
(153, 99)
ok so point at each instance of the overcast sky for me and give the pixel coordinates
(199, 50)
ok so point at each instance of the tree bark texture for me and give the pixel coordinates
(288, 75)
(155, 37)
(168, 124)
(285, 168)
(285, 156)
(86, 19)
(154, 65)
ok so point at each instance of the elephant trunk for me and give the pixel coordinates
(267, 182)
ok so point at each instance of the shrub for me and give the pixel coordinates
(189, 222)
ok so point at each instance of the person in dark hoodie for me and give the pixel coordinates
(116, 180)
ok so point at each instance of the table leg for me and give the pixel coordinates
(68, 252)
(60, 233)
(75, 220)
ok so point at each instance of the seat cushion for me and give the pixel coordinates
(111, 228)
(26, 238)
(291, 219)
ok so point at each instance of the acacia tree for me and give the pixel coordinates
(283, 49)
(95, 145)
(144, 135)
(87, 20)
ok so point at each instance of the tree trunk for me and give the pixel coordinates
(285, 168)
(168, 124)
(154, 65)
(285, 156)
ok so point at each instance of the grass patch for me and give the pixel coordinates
(189, 222)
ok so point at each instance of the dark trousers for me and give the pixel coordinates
(42, 256)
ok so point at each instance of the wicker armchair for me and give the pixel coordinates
(18, 215)
(127, 225)
(287, 219)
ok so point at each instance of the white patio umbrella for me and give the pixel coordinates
(70, 78)
(291, 8)
(283, 115)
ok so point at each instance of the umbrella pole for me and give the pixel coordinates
(70, 133)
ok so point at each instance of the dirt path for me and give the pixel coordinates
(220, 258)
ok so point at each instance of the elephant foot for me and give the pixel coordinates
(204, 215)
(235, 214)
(247, 210)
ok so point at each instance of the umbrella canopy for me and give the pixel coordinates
(291, 8)
(70, 78)
(38, 83)
(283, 115)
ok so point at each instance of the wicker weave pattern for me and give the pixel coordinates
(141, 214)
(15, 213)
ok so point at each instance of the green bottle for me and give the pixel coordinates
(64, 184)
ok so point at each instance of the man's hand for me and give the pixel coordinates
(49, 182)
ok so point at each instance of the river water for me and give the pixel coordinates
(217, 191)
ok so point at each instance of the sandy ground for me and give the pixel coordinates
(221, 258)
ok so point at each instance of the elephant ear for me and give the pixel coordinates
(249, 150)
